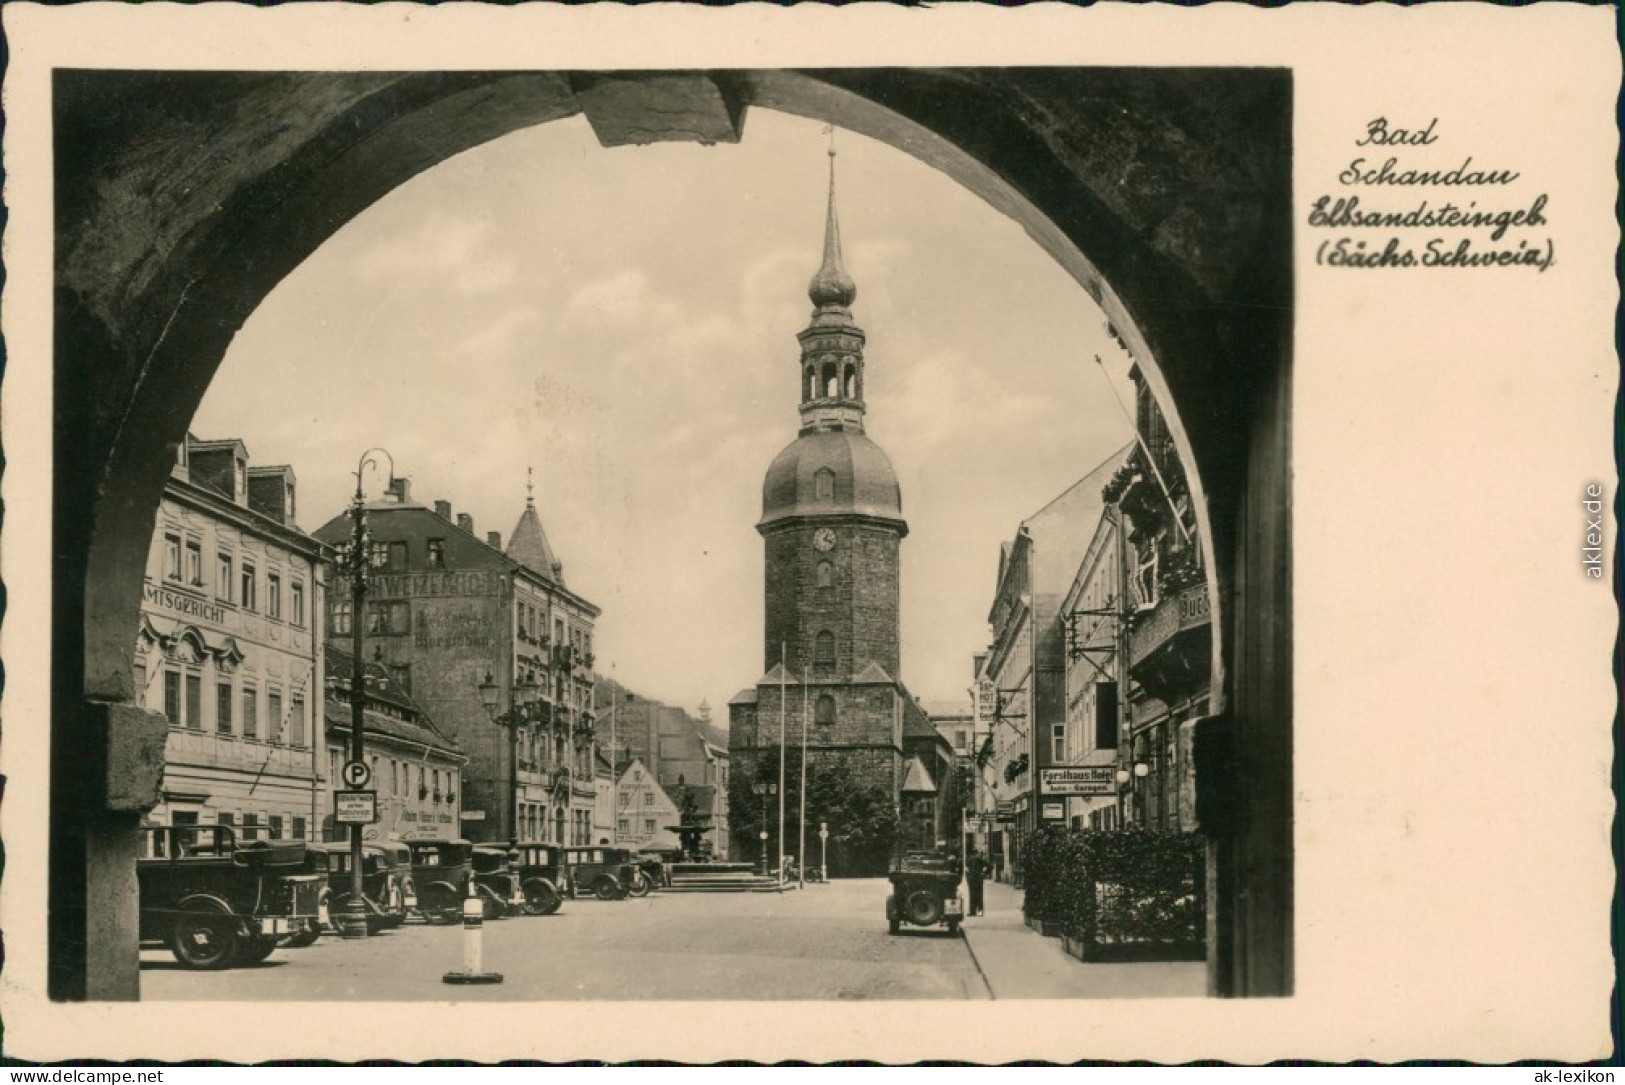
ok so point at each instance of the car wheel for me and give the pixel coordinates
(640, 885)
(256, 949)
(606, 888)
(204, 936)
(440, 904)
(540, 898)
(923, 907)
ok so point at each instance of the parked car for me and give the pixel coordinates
(496, 879)
(398, 858)
(217, 903)
(383, 894)
(441, 870)
(925, 891)
(606, 873)
(307, 931)
(543, 877)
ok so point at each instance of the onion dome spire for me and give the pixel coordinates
(832, 286)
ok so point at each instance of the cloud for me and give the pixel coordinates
(458, 251)
(621, 298)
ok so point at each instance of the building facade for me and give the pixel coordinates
(832, 527)
(448, 612)
(644, 813)
(1169, 640)
(416, 770)
(1096, 640)
(1026, 660)
(229, 647)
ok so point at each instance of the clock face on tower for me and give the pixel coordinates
(824, 539)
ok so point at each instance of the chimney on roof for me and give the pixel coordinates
(466, 522)
(442, 509)
(399, 490)
(495, 539)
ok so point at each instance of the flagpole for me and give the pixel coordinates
(783, 674)
(801, 855)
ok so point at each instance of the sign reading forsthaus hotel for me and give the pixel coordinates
(1086, 780)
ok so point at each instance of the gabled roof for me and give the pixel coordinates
(529, 546)
(744, 696)
(917, 780)
(873, 672)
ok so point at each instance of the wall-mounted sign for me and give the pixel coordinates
(1082, 780)
(1054, 811)
(473, 815)
(355, 807)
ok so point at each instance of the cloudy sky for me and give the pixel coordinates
(623, 322)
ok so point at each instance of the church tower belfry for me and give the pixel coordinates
(831, 344)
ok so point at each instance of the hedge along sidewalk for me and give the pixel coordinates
(1021, 963)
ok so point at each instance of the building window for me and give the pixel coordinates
(296, 602)
(824, 649)
(378, 554)
(273, 595)
(222, 708)
(251, 826)
(824, 713)
(1145, 577)
(1057, 752)
(623, 826)
(275, 830)
(273, 718)
(194, 702)
(341, 618)
(397, 556)
(227, 819)
(194, 563)
(298, 720)
(247, 596)
(437, 553)
(824, 484)
(172, 697)
(251, 716)
(826, 575)
(389, 618)
(648, 825)
(172, 557)
(298, 828)
(648, 798)
(223, 580)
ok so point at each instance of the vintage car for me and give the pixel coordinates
(441, 870)
(216, 902)
(543, 877)
(604, 872)
(398, 857)
(496, 879)
(307, 931)
(925, 891)
(383, 885)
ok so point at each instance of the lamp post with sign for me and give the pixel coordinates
(351, 806)
(522, 700)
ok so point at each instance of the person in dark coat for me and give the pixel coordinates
(975, 872)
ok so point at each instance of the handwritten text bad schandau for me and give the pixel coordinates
(1402, 210)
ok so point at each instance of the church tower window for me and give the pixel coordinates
(825, 575)
(824, 713)
(824, 484)
(824, 650)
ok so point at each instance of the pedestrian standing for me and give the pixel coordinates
(976, 870)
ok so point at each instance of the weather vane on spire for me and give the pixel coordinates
(830, 130)
(530, 487)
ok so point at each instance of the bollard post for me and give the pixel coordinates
(473, 949)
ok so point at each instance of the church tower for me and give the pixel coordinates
(832, 527)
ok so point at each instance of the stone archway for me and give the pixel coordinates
(179, 207)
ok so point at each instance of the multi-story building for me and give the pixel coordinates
(416, 770)
(1026, 661)
(679, 750)
(448, 612)
(644, 813)
(1096, 630)
(230, 646)
(1169, 642)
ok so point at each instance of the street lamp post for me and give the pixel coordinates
(521, 708)
(823, 852)
(763, 836)
(357, 562)
(763, 788)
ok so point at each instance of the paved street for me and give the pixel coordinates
(826, 942)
